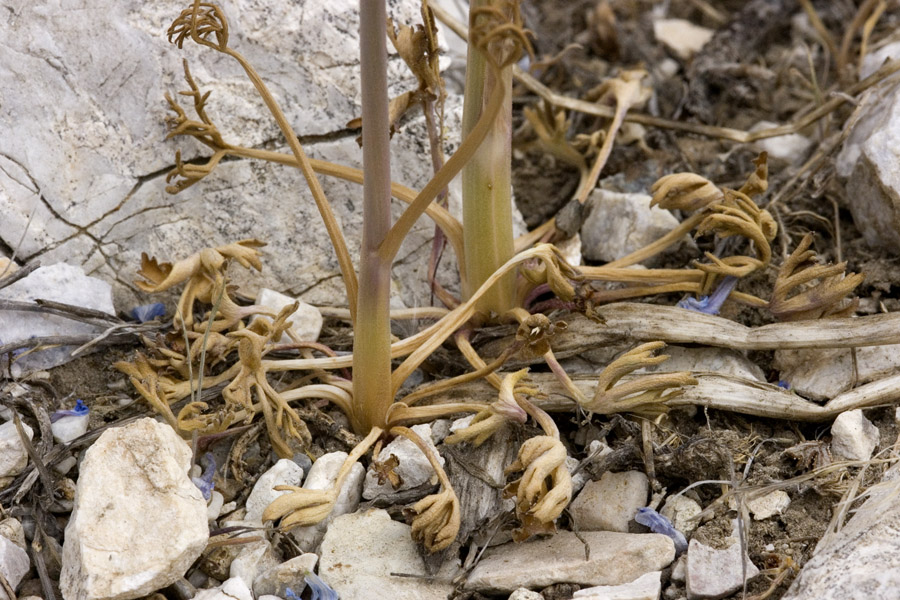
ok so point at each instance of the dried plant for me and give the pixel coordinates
(795, 297)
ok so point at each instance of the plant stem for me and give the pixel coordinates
(486, 182)
(372, 335)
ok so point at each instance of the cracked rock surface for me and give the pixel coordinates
(84, 174)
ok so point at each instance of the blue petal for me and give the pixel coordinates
(148, 312)
(660, 524)
(320, 589)
(205, 482)
(80, 410)
(713, 303)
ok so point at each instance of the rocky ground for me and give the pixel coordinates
(103, 500)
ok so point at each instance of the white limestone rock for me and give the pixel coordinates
(93, 175)
(611, 503)
(306, 321)
(284, 472)
(253, 559)
(853, 436)
(713, 360)
(322, 475)
(615, 558)
(289, 574)
(12, 530)
(770, 505)
(138, 522)
(681, 36)
(823, 373)
(362, 549)
(14, 564)
(791, 148)
(60, 283)
(645, 587)
(683, 512)
(231, 589)
(618, 224)
(859, 562)
(715, 573)
(413, 467)
(868, 161)
(13, 456)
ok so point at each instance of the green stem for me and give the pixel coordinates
(372, 334)
(486, 182)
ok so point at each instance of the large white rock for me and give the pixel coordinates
(618, 224)
(306, 321)
(360, 552)
(770, 505)
(321, 476)
(13, 456)
(85, 151)
(615, 558)
(58, 282)
(714, 573)
(861, 561)
(684, 513)
(14, 564)
(611, 503)
(853, 436)
(231, 589)
(413, 467)
(138, 521)
(645, 587)
(823, 373)
(284, 472)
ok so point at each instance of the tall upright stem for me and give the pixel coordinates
(372, 341)
(486, 182)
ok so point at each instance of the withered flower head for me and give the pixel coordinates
(823, 299)
(545, 488)
(684, 191)
(199, 22)
(437, 520)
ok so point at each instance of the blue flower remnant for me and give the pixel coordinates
(148, 312)
(660, 524)
(205, 482)
(319, 590)
(713, 303)
(80, 410)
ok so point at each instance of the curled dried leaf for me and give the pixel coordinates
(812, 301)
(494, 416)
(554, 271)
(199, 22)
(684, 191)
(301, 507)
(738, 215)
(497, 31)
(545, 488)
(437, 520)
(645, 394)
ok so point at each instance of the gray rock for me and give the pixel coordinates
(713, 360)
(321, 476)
(12, 530)
(138, 521)
(362, 549)
(289, 574)
(60, 283)
(869, 163)
(681, 36)
(770, 505)
(618, 224)
(791, 148)
(284, 472)
(683, 513)
(853, 436)
(13, 456)
(253, 559)
(823, 373)
(715, 573)
(93, 175)
(14, 564)
(413, 468)
(645, 587)
(615, 558)
(861, 561)
(611, 503)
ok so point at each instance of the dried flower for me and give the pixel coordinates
(545, 488)
(824, 299)
(437, 520)
(684, 191)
